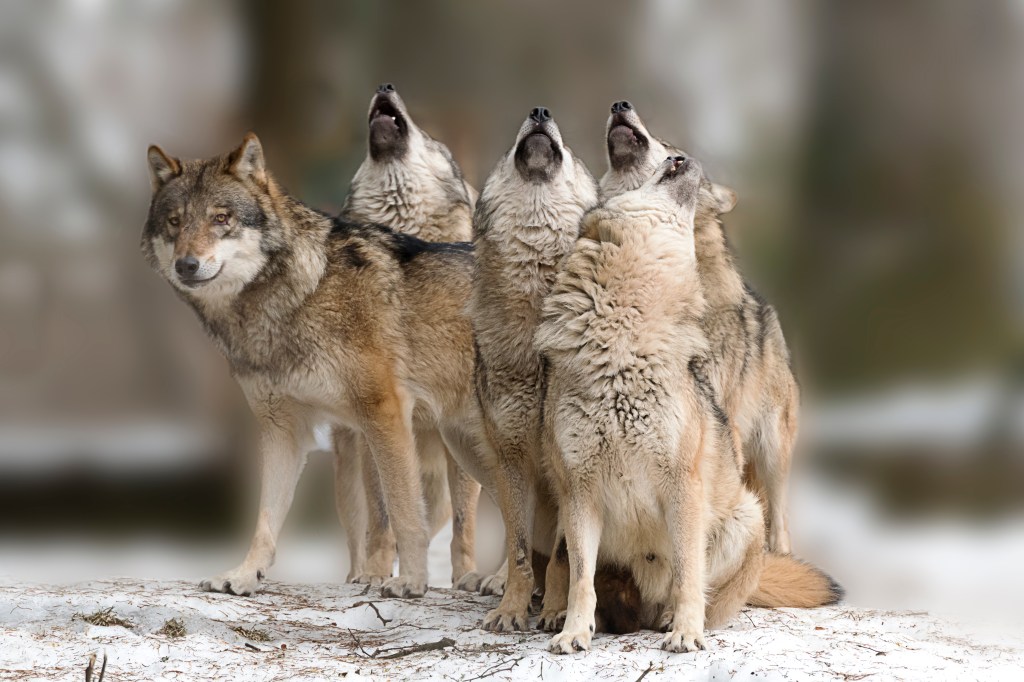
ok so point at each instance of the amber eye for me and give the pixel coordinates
(221, 219)
(174, 221)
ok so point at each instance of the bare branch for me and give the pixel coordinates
(442, 643)
(383, 620)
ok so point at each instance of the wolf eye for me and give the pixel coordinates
(174, 221)
(221, 219)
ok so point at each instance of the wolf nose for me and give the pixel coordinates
(187, 266)
(619, 107)
(385, 88)
(540, 114)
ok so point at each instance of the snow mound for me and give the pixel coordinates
(316, 632)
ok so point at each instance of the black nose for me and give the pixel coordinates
(619, 107)
(385, 88)
(540, 114)
(679, 159)
(187, 266)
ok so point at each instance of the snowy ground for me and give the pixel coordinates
(317, 628)
(317, 632)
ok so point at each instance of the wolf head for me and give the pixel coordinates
(634, 154)
(539, 180)
(408, 181)
(210, 229)
(669, 196)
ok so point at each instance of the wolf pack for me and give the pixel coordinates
(587, 353)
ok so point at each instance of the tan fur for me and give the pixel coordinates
(787, 581)
(420, 192)
(323, 321)
(750, 367)
(640, 455)
(526, 222)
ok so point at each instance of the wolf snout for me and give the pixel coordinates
(385, 88)
(682, 164)
(540, 114)
(621, 107)
(186, 267)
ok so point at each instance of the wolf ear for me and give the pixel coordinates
(725, 198)
(162, 168)
(247, 161)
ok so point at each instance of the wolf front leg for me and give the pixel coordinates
(387, 428)
(582, 524)
(284, 438)
(686, 523)
(516, 497)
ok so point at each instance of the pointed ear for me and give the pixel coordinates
(162, 168)
(247, 161)
(725, 198)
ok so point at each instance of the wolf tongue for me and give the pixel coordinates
(622, 132)
(383, 119)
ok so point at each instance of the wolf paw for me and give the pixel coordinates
(493, 584)
(470, 582)
(567, 642)
(681, 643)
(370, 579)
(242, 581)
(403, 587)
(502, 620)
(550, 621)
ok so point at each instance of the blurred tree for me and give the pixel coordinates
(896, 251)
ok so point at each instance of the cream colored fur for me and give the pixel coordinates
(640, 458)
(750, 362)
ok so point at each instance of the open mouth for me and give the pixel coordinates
(385, 116)
(538, 138)
(677, 166)
(624, 135)
(538, 153)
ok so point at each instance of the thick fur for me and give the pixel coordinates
(639, 455)
(410, 183)
(321, 320)
(526, 223)
(786, 581)
(750, 362)
(639, 451)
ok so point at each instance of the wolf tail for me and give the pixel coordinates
(788, 581)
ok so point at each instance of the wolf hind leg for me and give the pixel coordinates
(556, 587)
(735, 559)
(772, 458)
(465, 495)
(350, 498)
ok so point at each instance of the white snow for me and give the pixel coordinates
(331, 631)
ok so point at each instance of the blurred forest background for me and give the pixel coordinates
(877, 149)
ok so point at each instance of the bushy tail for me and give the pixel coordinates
(787, 581)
